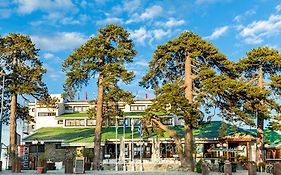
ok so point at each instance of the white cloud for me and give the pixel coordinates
(48, 55)
(278, 8)
(29, 6)
(159, 33)
(60, 41)
(255, 32)
(173, 23)
(248, 13)
(52, 57)
(141, 63)
(110, 20)
(217, 33)
(200, 2)
(149, 13)
(140, 35)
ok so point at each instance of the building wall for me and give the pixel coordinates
(253, 151)
(48, 121)
(58, 155)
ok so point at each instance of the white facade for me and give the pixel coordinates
(61, 115)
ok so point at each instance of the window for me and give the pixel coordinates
(37, 148)
(60, 122)
(58, 146)
(68, 108)
(80, 108)
(33, 109)
(91, 122)
(75, 122)
(168, 121)
(137, 108)
(46, 114)
(167, 150)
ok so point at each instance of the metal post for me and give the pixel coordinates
(141, 154)
(132, 147)
(124, 130)
(37, 163)
(1, 114)
(116, 132)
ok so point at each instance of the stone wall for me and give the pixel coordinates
(57, 155)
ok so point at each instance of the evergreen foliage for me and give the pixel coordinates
(103, 56)
(23, 76)
(189, 74)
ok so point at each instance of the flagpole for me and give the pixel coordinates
(140, 132)
(124, 130)
(116, 133)
(132, 147)
(141, 151)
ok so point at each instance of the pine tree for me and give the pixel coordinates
(261, 67)
(103, 55)
(188, 74)
(23, 72)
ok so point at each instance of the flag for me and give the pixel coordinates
(78, 96)
(86, 95)
(132, 125)
(124, 123)
(140, 129)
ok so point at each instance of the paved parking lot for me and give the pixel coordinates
(30, 172)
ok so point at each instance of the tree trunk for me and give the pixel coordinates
(13, 129)
(98, 130)
(260, 122)
(188, 130)
(13, 119)
(188, 80)
(188, 138)
(177, 140)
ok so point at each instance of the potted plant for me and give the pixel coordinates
(41, 164)
(68, 162)
(261, 166)
(89, 155)
(198, 166)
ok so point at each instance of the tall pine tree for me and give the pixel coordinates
(23, 72)
(189, 74)
(262, 67)
(104, 56)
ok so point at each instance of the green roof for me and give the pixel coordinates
(74, 115)
(271, 136)
(133, 114)
(86, 135)
(78, 135)
(212, 130)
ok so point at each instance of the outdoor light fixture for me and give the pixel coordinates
(37, 143)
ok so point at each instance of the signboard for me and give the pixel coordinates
(25, 157)
(79, 166)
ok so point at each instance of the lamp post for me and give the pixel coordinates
(37, 143)
(1, 113)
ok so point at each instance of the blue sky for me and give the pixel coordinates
(59, 26)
